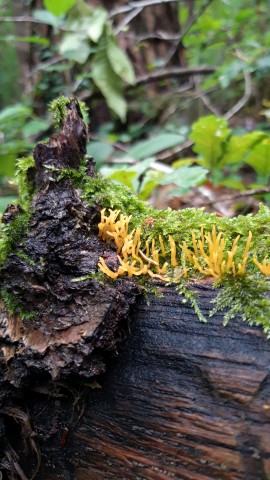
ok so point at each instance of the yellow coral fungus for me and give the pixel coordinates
(136, 257)
(216, 265)
(264, 267)
(110, 228)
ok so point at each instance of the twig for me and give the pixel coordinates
(21, 19)
(170, 154)
(127, 19)
(116, 146)
(231, 198)
(46, 64)
(172, 72)
(243, 101)
(158, 35)
(139, 4)
(206, 100)
(193, 20)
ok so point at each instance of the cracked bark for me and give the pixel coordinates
(182, 399)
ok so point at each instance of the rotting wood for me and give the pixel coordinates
(182, 400)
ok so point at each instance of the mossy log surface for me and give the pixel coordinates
(179, 398)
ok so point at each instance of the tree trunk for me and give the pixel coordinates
(179, 399)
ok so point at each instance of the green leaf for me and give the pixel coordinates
(100, 151)
(185, 177)
(154, 145)
(34, 126)
(7, 164)
(58, 7)
(119, 61)
(91, 25)
(210, 135)
(47, 18)
(238, 147)
(109, 84)
(151, 180)
(4, 201)
(74, 46)
(259, 158)
(124, 176)
(14, 113)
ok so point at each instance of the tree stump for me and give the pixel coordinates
(179, 398)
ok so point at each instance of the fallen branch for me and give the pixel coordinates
(231, 198)
(140, 4)
(172, 72)
(243, 101)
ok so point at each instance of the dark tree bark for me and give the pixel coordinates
(179, 399)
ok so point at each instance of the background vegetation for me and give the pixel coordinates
(177, 93)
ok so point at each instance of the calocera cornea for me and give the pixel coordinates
(208, 254)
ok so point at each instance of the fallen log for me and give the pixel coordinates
(179, 398)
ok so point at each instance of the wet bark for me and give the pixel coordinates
(179, 399)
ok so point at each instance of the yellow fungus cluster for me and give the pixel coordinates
(207, 255)
(264, 267)
(211, 249)
(134, 257)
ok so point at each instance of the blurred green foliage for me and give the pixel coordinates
(81, 50)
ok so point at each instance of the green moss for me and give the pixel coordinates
(12, 233)
(58, 108)
(25, 184)
(14, 306)
(26, 258)
(247, 297)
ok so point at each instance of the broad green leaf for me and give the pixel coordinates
(210, 135)
(96, 24)
(238, 147)
(91, 25)
(14, 112)
(185, 177)
(259, 158)
(75, 47)
(121, 174)
(47, 18)
(7, 164)
(4, 201)
(34, 126)
(154, 145)
(124, 176)
(100, 151)
(151, 180)
(119, 61)
(58, 7)
(109, 84)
